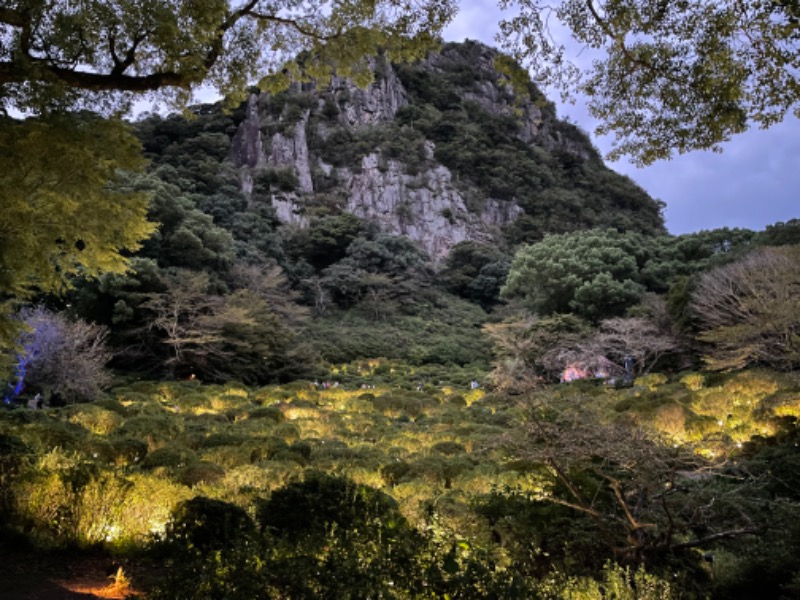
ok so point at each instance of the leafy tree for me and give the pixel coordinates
(256, 346)
(66, 54)
(65, 211)
(269, 282)
(57, 58)
(326, 239)
(749, 311)
(187, 237)
(475, 271)
(347, 285)
(667, 76)
(780, 234)
(593, 274)
(117, 300)
(385, 253)
(182, 314)
(664, 259)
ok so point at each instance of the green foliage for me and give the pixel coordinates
(187, 236)
(438, 505)
(476, 272)
(100, 217)
(592, 274)
(205, 524)
(218, 337)
(326, 239)
(282, 179)
(561, 191)
(780, 234)
(666, 78)
(176, 48)
(434, 330)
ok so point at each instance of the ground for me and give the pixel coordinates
(63, 576)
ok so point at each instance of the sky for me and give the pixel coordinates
(754, 182)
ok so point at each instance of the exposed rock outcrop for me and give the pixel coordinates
(416, 196)
(377, 103)
(293, 152)
(247, 147)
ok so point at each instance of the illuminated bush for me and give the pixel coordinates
(618, 582)
(652, 381)
(230, 456)
(65, 500)
(94, 418)
(693, 381)
(449, 448)
(156, 430)
(251, 479)
(128, 450)
(169, 457)
(288, 431)
(751, 385)
(45, 435)
(198, 472)
(785, 403)
(671, 419)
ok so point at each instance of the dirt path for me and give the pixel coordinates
(27, 576)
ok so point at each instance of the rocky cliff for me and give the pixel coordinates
(442, 151)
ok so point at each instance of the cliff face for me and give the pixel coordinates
(391, 153)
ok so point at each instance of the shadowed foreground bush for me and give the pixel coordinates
(328, 537)
(325, 537)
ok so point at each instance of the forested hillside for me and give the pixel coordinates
(338, 223)
(408, 340)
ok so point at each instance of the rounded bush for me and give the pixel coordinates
(207, 524)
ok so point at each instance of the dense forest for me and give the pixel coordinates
(413, 340)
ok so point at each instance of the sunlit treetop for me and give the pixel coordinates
(98, 53)
(665, 75)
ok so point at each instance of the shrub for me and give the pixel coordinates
(48, 434)
(128, 450)
(651, 382)
(156, 429)
(339, 539)
(205, 524)
(199, 472)
(693, 381)
(269, 413)
(171, 457)
(96, 419)
(449, 448)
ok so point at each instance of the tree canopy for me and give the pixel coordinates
(666, 76)
(57, 53)
(592, 274)
(62, 215)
